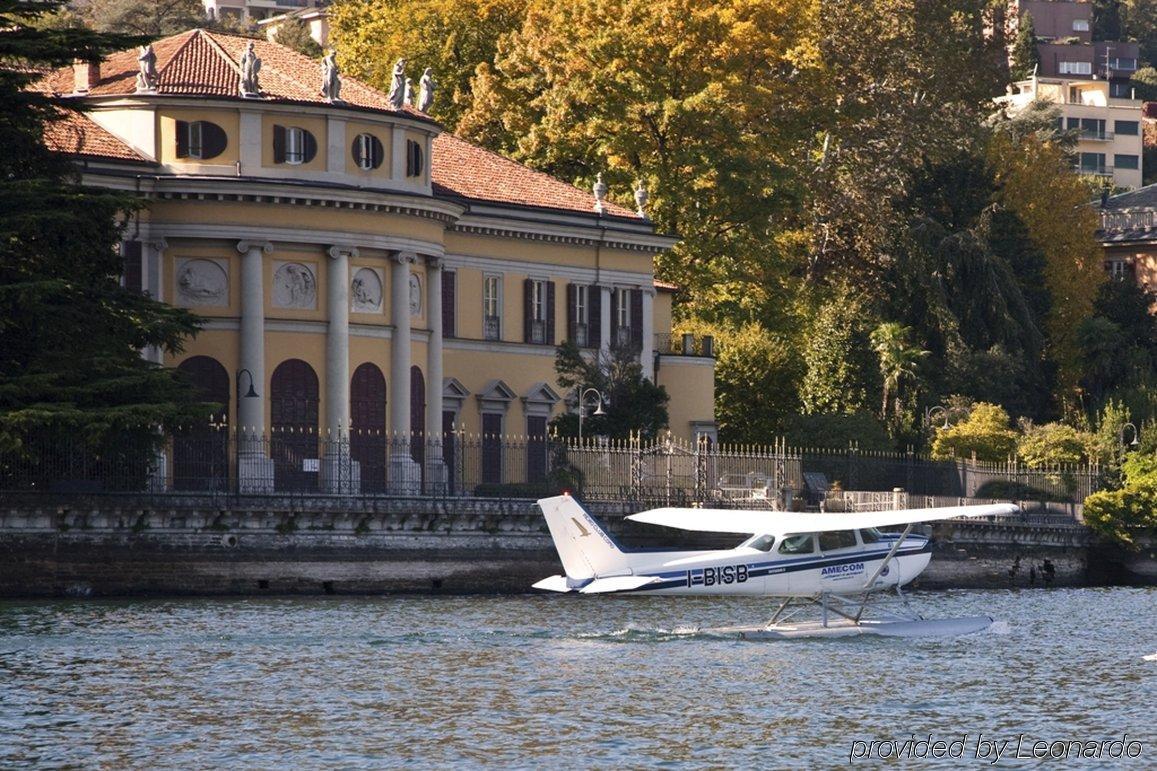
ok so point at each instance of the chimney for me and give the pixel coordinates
(87, 75)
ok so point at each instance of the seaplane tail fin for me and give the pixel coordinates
(585, 548)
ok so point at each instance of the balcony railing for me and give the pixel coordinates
(1120, 221)
(685, 345)
(1096, 136)
(1097, 171)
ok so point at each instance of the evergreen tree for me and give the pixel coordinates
(632, 403)
(153, 19)
(1024, 58)
(70, 334)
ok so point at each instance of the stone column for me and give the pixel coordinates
(336, 472)
(405, 476)
(254, 467)
(647, 353)
(605, 323)
(435, 466)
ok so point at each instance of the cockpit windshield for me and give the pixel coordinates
(762, 543)
(870, 535)
(797, 544)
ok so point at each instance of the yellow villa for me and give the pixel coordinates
(362, 273)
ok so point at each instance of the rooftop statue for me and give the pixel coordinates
(147, 60)
(330, 78)
(426, 90)
(398, 85)
(600, 191)
(250, 67)
(409, 97)
(641, 198)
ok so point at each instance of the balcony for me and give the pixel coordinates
(1096, 136)
(1094, 171)
(667, 344)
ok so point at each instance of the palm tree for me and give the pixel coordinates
(899, 361)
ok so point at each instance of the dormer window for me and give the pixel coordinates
(200, 140)
(414, 162)
(293, 145)
(368, 152)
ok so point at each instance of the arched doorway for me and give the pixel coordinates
(418, 418)
(201, 452)
(368, 426)
(293, 422)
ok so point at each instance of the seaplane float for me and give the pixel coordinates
(832, 574)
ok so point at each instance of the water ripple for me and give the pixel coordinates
(528, 682)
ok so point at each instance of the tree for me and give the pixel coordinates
(705, 104)
(151, 19)
(985, 434)
(1119, 514)
(70, 335)
(1024, 58)
(757, 376)
(899, 362)
(453, 37)
(1052, 444)
(1037, 183)
(838, 358)
(294, 33)
(633, 404)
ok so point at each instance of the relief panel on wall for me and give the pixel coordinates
(202, 283)
(366, 291)
(294, 286)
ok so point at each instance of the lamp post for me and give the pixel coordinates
(251, 393)
(1121, 438)
(929, 412)
(598, 407)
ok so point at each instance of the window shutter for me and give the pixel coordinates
(378, 152)
(182, 139)
(448, 320)
(213, 140)
(357, 151)
(571, 301)
(131, 251)
(527, 308)
(550, 313)
(310, 146)
(614, 316)
(594, 316)
(637, 319)
(279, 144)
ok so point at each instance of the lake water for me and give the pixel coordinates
(553, 681)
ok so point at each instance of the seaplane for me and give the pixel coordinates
(841, 567)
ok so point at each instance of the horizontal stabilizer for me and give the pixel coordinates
(553, 584)
(792, 522)
(617, 584)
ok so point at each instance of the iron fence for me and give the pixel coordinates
(663, 472)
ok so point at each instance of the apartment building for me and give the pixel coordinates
(1109, 143)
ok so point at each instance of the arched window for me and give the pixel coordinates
(293, 145)
(368, 152)
(201, 452)
(368, 426)
(293, 407)
(200, 140)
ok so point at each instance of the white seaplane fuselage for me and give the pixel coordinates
(788, 554)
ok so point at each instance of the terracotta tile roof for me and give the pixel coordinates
(469, 171)
(78, 134)
(199, 62)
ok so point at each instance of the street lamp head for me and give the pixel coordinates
(599, 410)
(252, 392)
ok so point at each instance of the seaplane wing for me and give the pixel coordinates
(782, 523)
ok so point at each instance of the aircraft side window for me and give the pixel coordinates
(870, 535)
(763, 543)
(796, 544)
(837, 539)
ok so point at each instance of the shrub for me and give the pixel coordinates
(986, 433)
